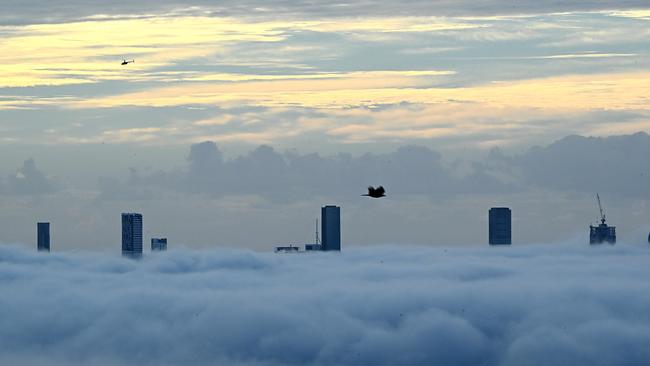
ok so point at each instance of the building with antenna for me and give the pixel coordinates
(317, 244)
(602, 233)
(500, 226)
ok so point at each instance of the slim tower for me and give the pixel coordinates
(43, 236)
(331, 228)
(132, 235)
(500, 226)
(317, 244)
(158, 244)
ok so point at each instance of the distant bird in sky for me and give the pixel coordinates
(126, 62)
(375, 192)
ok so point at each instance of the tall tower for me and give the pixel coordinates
(132, 235)
(500, 226)
(331, 227)
(43, 236)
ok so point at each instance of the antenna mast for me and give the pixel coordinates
(600, 207)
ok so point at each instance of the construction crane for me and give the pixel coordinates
(600, 207)
(602, 233)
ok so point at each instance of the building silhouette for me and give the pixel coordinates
(43, 236)
(602, 233)
(500, 226)
(331, 228)
(132, 235)
(289, 249)
(158, 244)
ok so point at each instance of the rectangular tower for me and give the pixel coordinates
(158, 244)
(132, 235)
(331, 227)
(500, 226)
(43, 235)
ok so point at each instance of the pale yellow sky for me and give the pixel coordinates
(470, 74)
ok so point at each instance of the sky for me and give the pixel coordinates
(238, 120)
(561, 304)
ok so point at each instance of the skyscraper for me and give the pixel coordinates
(132, 235)
(158, 244)
(331, 227)
(500, 226)
(43, 235)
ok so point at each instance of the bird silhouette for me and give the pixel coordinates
(375, 192)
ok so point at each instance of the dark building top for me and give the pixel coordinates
(132, 235)
(602, 233)
(43, 236)
(158, 244)
(331, 228)
(500, 226)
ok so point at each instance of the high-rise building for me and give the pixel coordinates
(132, 235)
(331, 228)
(158, 244)
(43, 235)
(500, 226)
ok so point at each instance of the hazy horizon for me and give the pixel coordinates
(265, 197)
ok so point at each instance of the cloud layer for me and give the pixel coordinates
(19, 12)
(571, 164)
(562, 304)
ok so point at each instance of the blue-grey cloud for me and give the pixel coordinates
(571, 164)
(28, 180)
(562, 304)
(577, 163)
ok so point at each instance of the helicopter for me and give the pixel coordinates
(126, 62)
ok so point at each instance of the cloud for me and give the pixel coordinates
(291, 176)
(29, 180)
(565, 304)
(32, 11)
(591, 163)
(571, 164)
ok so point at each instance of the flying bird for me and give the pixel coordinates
(126, 62)
(375, 192)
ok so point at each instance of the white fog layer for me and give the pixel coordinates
(554, 304)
